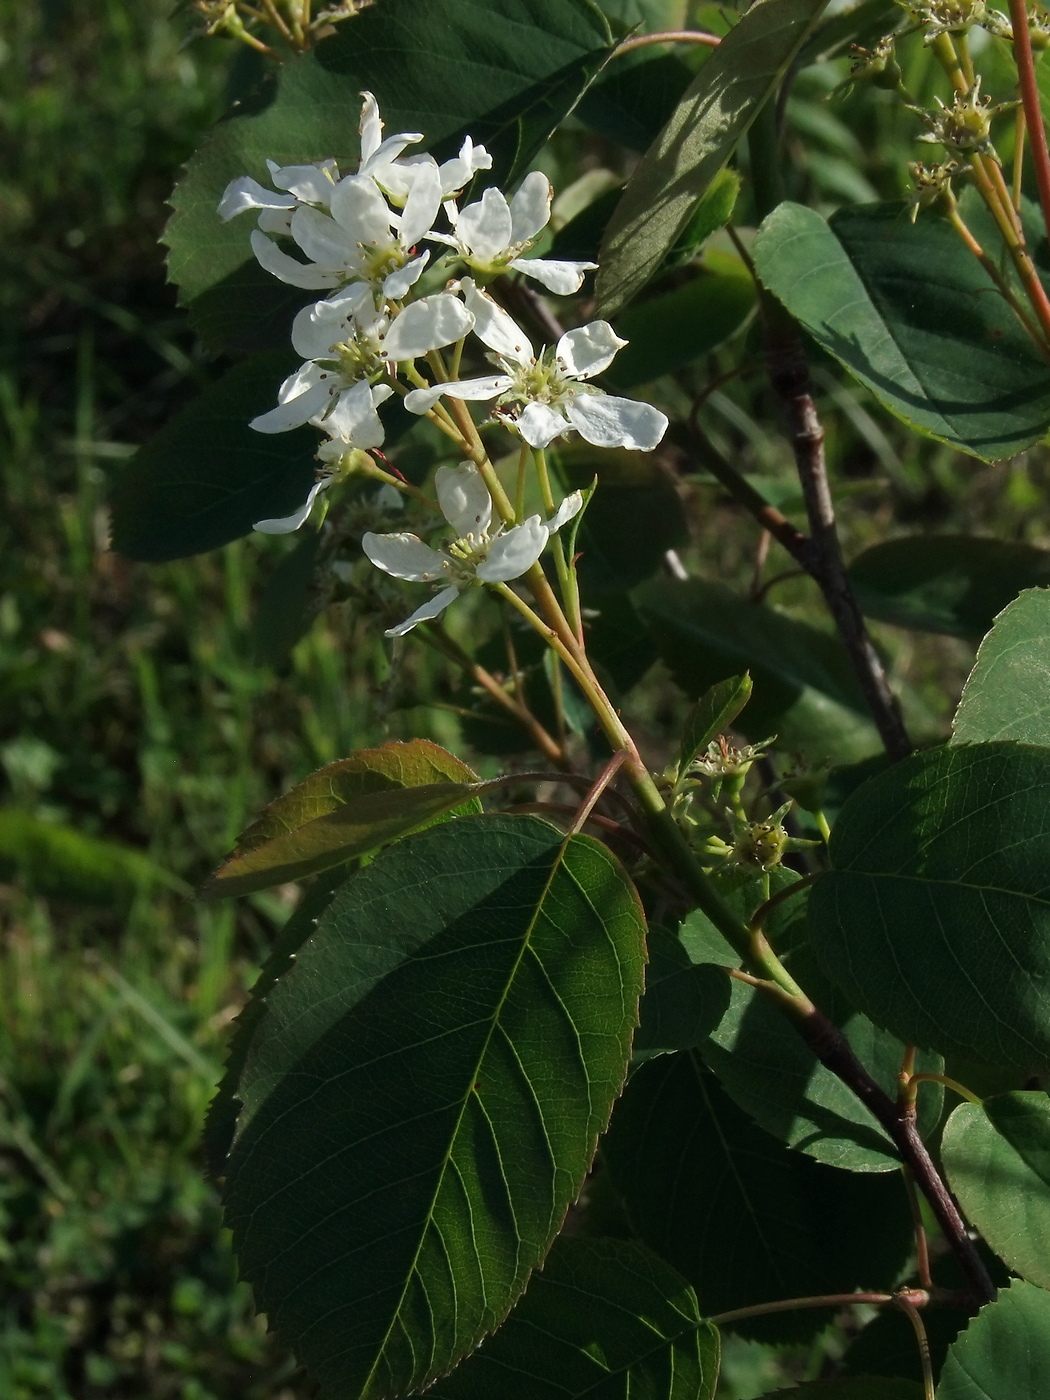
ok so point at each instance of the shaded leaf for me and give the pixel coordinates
(954, 584)
(854, 1388)
(913, 316)
(997, 1156)
(1004, 1354)
(712, 715)
(1006, 695)
(934, 918)
(603, 1317)
(344, 810)
(683, 1001)
(804, 687)
(715, 112)
(677, 327)
(480, 983)
(631, 103)
(742, 1218)
(288, 603)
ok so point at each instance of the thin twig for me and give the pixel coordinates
(602, 781)
(669, 36)
(789, 375)
(908, 1307)
(829, 1300)
(1030, 101)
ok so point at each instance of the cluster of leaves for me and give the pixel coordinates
(479, 1023)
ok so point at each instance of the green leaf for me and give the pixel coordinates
(462, 1017)
(715, 112)
(507, 71)
(631, 103)
(604, 1318)
(206, 477)
(712, 715)
(634, 517)
(997, 1156)
(913, 316)
(854, 1388)
(954, 584)
(770, 1072)
(344, 810)
(742, 1218)
(1006, 695)
(59, 862)
(683, 1002)
(677, 327)
(1004, 1354)
(804, 687)
(934, 918)
(288, 604)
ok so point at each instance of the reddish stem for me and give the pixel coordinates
(1030, 100)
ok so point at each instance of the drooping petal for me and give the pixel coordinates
(433, 608)
(383, 165)
(288, 269)
(560, 277)
(588, 350)
(498, 330)
(514, 553)
(371, 127)
(293, 412)
(360, 210)
(485, 227)
(285, 524)
(246, 193)
(324, 242)
(423, 203)
(464, 499)
(569, 508)
(540, 424)
(312, 184)
(490, 387)
(456, 172)
(397, 285)
(405, 556)
(608, 421)
(427, 325)
(530, 208)
(354, 419)
(278, 221)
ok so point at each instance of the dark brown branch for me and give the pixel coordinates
(789, 375)
(834, 1051)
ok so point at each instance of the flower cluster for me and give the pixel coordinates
(361, 237)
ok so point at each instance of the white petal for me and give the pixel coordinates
(456, 172)
(380, 393)
(360, 210)
(588, 349)
(354, 419)
(383, 164)
(498, 330)
(324, 242)
(313, 184)
(396, 177)
(317, 328)
(288, 269)
(539, 424)
(423, 400)
(246, 193)
(433, 608)
(485, 226)
(294, 412)
(427, 325)
(464, 499)
(561, 278)
(405, 556)
(287, 523)
(424, 200)
(398, 283)
(530, 209)
(607, 421)
(489, 387)
(371, 127)
(514, 553)
(278, 221)
(569, 508)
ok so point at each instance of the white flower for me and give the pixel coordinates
(492, 235)
(477, 554)
(345, 343)
(286, 524)
(552, 387)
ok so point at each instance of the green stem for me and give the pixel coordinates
(570, 590)
(927, 1077)
(828, 1300)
